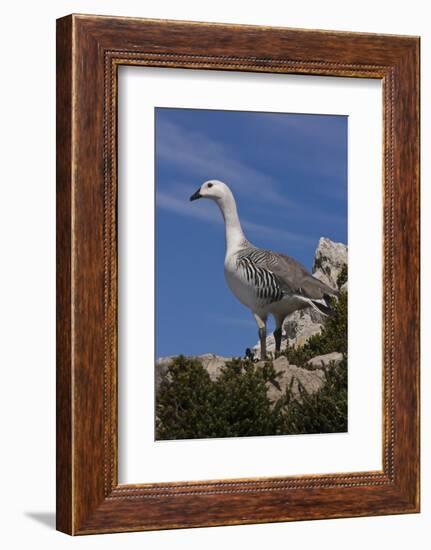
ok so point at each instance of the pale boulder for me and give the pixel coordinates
(311, 380)
(329, 260)
(323, 361)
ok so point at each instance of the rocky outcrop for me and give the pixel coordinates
(291, 376)
(327, 360)
(329, 260)
(213, 363)
(301, 325)
(161, 368)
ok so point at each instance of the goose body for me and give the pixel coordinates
(266, 282)
(255, 286)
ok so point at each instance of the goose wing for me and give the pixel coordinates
(284, 275)
(296, 277)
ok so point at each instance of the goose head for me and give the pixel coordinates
(212, 189)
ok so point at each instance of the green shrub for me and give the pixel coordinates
(190, 405)
(183, 401)
(322, 412)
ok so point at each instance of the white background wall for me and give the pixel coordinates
(27, 248)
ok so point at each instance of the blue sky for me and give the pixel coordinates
(288, 173)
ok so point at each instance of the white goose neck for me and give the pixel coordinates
(234, 234)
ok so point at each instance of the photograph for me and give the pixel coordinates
(251, 273)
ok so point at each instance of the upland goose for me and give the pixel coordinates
(266, 282)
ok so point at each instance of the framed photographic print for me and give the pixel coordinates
(237, 274)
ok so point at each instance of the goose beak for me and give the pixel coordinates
(196, 195)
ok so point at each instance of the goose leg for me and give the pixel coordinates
(277, 334)
(277, 338)
(261, 323)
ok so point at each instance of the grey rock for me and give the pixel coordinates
(161, 369)
(329, 260)
(322, 361)
(280, 363)
(311, 380)
(301, 325)
(213, 363)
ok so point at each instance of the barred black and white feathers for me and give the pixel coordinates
(275, 276)
(264, 281)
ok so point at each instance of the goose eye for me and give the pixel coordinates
(210, 185)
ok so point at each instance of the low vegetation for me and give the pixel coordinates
(191, 405)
